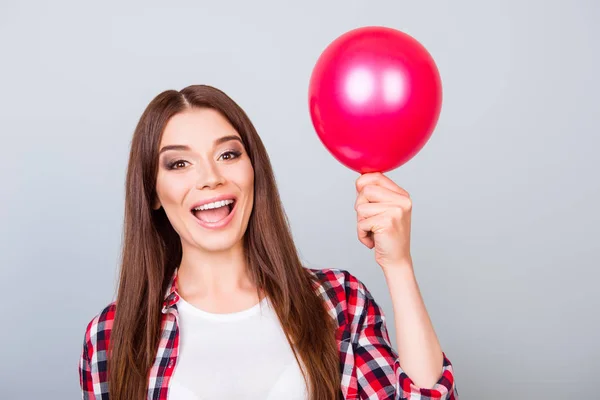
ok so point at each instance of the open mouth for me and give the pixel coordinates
(214, 212)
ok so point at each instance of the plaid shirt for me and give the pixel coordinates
(369, 365)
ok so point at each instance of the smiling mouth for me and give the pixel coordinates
(215, 214)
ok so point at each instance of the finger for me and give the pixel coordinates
(377, 178)
(365, 236)
(367, 240)
(367, 227)
(369, 210)
(379, 194)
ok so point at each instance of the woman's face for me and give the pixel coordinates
(201, 157)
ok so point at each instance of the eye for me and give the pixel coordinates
(231, 155)
(178, 164)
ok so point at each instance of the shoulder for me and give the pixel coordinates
(344, 293)
(338, 283)
(97, 332)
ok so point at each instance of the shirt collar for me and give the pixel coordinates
(171, 296)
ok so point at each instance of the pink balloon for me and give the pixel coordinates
(375, 97)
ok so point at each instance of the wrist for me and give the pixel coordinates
(402, 265)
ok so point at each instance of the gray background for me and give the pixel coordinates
(506, 192)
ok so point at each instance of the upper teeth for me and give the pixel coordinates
(216, 204)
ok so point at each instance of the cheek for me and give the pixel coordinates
(171, 190)
(242, 176)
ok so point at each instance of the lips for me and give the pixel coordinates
(214, 218)
(213, 199)
(221, 223)
(214, 214)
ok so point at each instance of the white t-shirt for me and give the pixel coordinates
(243, 355)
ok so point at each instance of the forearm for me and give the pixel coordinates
(419, 350)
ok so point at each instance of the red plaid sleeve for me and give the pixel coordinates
(93, 360)
(85, 374)
(378, 370)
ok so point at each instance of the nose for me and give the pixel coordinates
(209, 176)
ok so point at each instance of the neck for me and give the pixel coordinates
(213, 274)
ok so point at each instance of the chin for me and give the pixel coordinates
(216, 242)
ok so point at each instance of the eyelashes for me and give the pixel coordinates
(173, 164)
(233, 153)
(177, 164)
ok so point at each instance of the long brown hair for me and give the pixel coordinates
(152, 252)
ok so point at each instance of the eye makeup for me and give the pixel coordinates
(171, 163)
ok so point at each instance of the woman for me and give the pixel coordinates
(213, 301)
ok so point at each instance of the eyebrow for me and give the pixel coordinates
(187, 148)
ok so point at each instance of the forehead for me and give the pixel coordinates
(196, 127)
